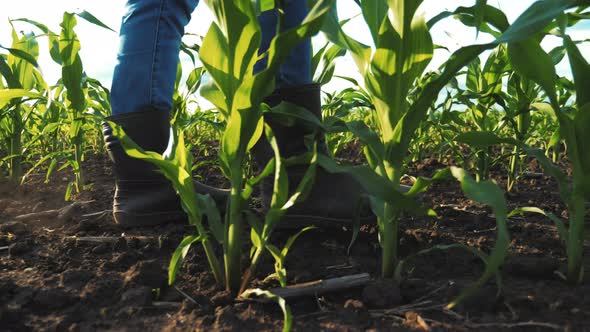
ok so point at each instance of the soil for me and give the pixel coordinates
(51, 281)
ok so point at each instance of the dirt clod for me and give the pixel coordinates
(225, 319)
(53, 298)
(354, 305)
(19, 248)
(381, 294)
(141, 296)
(146, 273)
(75, 278)
(14, 227)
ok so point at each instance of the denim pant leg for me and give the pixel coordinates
(296, 70)
(150, 38)
(151, 33)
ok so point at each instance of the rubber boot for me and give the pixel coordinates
(143, 196)
(334, 198)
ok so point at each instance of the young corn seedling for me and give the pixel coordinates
(24, 87)
(75, 94)
(176, 166)
(229, 51)
(403, 48)
(531, 61)
(482, 85)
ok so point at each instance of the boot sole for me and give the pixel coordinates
(130, 220)
(294, 221)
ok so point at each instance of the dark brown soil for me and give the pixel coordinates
(50, 281)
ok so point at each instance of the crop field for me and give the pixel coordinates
(477, 173)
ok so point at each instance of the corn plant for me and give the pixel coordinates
(482, 85)
(531, 61)
(72, 102)
(403, 48)
(23, 89)
(229, 51)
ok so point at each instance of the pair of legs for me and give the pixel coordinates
(141, 100)
(150, 40)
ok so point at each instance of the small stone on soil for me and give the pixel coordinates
(14, 227)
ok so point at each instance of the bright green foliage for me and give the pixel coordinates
(229, 52)
(574, 130)
(403, 49)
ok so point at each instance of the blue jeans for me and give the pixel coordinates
(150, 39)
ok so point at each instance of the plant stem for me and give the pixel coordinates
(233, 242)
(78, 171)
(389, 239)
(575, 242)
(16, 168)
(513, 169)
(210, 253)
(213, 262)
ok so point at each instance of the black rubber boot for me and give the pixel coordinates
(334, 197)
(143, 196)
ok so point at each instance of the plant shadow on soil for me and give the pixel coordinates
(50, 281)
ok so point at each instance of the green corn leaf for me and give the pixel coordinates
(92, 19)
(491, 15)
(490, 194)
(292, 240)
(580, 71)
(289, 114)
(6, 72)
(374, 13)
(266, 5)
(209, 209)
(24, 55)
(287, 316)
(376, 185)
(422, 183)
(535, 19)
(52, 37)
(214, 55)
(305, 185)
(281, 183)
(179, 255)
(482, 139)
(317, 57)
(333, 30)
(561, 229)
(480, 11)
(7, 95)
(582, 128)
(329, 58)
(530, 60)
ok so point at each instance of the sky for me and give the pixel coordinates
(99, 46)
